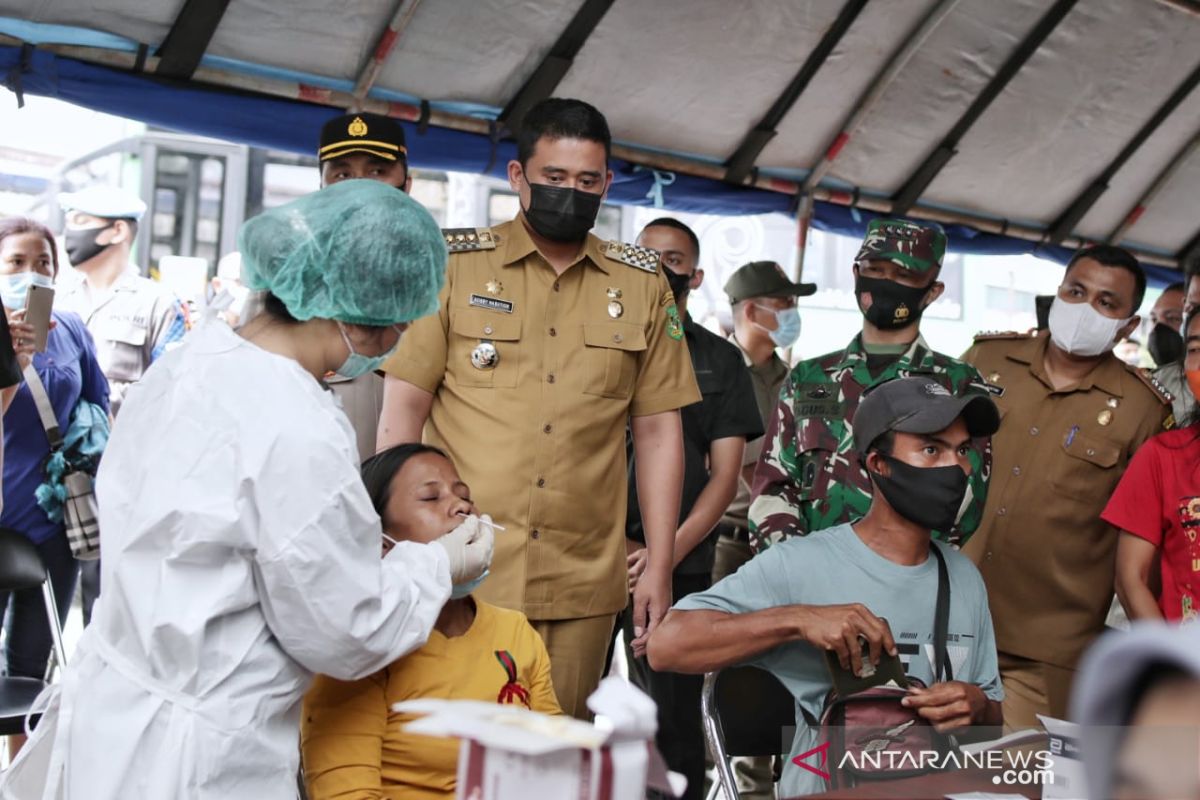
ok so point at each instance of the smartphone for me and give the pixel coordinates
(38, 303)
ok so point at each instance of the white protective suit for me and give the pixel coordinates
(241, 554)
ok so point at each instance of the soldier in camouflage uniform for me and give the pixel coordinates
(809, 476)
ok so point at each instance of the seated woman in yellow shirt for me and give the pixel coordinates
(354, 745)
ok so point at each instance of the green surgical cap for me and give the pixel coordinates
(359, 251)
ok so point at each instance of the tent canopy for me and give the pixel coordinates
(1024, 125)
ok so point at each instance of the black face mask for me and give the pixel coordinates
(893, 305)
(81, 245)
(561, 214)
(1165, 345)
(928, 496)
(678, 283)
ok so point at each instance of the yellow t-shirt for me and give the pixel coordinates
(355, 747)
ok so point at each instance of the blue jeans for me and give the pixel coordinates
(27, 629)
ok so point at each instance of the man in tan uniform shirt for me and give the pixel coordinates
(548, 343)
(1072, 415)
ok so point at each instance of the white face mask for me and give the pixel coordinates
(1082, 330)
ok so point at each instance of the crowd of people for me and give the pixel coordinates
(647, 477)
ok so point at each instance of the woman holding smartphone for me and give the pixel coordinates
(69, 371)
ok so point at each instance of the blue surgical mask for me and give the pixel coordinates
(14, 288)
(787, 326)
(357, 365)
(460, 590)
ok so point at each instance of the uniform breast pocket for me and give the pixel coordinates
(611, 352)
(484, 349)
(1089, 470)
(816, 446)
(126, 344)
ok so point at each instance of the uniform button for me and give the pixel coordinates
(547, 428)
(556, 286)
(1033, 431)
(1091, 452)
(550, 378)
(617, 338)
(541, 482)
(534, 534)
(487, 329)
(1016, 470)
(553, 332)
(1002, 511)
(987, 556)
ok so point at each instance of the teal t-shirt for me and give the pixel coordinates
(836, 567)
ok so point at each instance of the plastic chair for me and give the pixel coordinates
(745, 711)
(21, 568)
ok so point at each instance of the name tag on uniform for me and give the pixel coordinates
(818, 400)
(491, 303)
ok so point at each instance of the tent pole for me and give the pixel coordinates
(1182, 157)
(290, 90)
(752, 144)
(919, 180)
(1079, 208)
(871, 97)
(1186, 6)
(383, 49)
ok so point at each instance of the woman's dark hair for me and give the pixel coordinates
(14, 226)
(278, 311)
(379, 469)
(1154, 675)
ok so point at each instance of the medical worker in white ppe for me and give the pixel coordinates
(241, 553)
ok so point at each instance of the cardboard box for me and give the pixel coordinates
(511, 753)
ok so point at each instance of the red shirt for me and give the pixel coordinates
(1158, 499)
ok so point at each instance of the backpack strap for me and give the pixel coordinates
(941, 620)
(45, 409)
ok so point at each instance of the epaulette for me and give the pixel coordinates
(988, 336)
(1145, 376)
(466, 240)
(634, 255)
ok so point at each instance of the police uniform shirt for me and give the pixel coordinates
(534, 377)
(132, 325)
(1045, 554)
(728, 408)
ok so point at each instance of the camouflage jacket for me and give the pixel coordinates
(809, 476)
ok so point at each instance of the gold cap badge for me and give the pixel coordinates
(357, 127)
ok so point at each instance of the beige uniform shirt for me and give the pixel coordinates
(540, 434)
(767, 379)
(1046, 556)
(132, 325)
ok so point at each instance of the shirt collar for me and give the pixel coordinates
(520, 245)
(918, 356)
(772, 364)
(1108, 375)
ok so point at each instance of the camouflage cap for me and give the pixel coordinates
(764, 279)
(920, 405)
(919, 247)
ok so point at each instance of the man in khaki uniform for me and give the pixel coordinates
(548, 343)
(367, 147)
(1072, 416)
(133, 320)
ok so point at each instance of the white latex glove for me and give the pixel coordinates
(469, 547)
